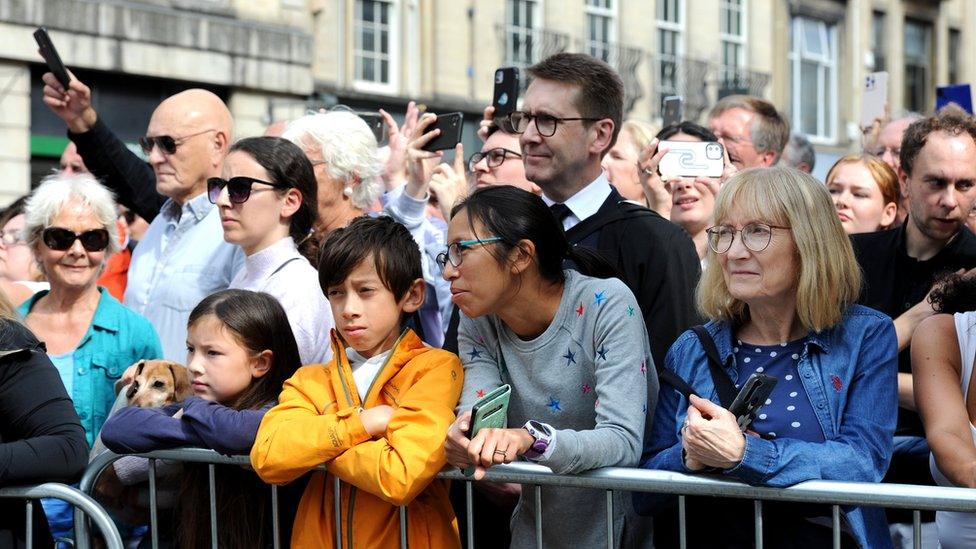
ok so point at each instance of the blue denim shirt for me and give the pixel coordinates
(849, 373)
(116, 339)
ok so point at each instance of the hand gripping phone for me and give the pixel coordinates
(490, 412)
(450, 125)
(692, 159)
(751, 398)
(51, 57)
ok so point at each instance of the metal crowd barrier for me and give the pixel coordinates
(84, 506)
(834, 493)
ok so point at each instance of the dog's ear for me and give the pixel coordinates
(181, 382)
(141, 365)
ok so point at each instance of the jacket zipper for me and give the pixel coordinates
(345, 387)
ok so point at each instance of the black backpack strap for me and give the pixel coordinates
(665, 376)
(723, 383)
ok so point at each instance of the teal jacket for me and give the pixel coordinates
(116, 339)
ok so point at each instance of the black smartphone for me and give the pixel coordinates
(450, 125)
(751, 398)
(506, 91)
(376, 124)
(672, 112)
(51, 57)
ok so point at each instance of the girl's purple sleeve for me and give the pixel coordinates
(226, 430)
(133, 430)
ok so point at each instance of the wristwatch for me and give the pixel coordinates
(542, 436)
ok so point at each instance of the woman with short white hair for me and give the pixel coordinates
(90, 337)
(343, 153)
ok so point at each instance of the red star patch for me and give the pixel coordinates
(579, 310)
(480, 393)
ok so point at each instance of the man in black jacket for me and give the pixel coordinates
(571, 118)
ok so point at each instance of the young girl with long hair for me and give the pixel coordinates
(240, 350)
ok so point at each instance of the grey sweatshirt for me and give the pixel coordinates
(590, 377)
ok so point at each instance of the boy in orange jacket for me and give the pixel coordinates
(377, 414)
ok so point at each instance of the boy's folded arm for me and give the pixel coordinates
(133, 430)
(400, 465)
(224, 429)
(295, 436)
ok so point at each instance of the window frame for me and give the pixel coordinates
(827, 65)
(536, 9)
(679, 28)
(392, 86)
(740, 40)
(609, 42)
(928, 86)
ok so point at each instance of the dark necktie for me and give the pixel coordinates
(560, 212)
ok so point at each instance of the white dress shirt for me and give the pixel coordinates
(585, 202)
(281, 271)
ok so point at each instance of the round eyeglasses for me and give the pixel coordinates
(454, 249)
(755, 236)
(495, 157)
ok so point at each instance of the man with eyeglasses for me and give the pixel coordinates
(753, 132)
(499, 162)
(572, 115)
(902, 265)
(182, 257)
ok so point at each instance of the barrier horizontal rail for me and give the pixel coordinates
(82, 502)
(836, 493)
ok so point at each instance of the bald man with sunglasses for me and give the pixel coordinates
(182, 258)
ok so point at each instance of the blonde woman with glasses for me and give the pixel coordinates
(779, 293)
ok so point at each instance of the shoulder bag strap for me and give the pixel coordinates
(723, 383)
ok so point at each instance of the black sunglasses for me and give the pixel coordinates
(60, 239)
(166, 143)
(238, 188)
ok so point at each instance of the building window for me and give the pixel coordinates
(522, 32)
(918, 60)
(813, 65)
(955, 44)
(376, 47)
(601, 28)
(878, 40)
(670, 47)
(732, 33)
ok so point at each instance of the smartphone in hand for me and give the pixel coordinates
(692, 159)
(376, 125)
(751, 398)
(51, 57)
(506, 91)
(874, 98)
(450, 125)
(491, 411)
(673, 111)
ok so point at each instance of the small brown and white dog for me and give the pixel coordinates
(157, 383)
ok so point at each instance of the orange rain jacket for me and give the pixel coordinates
(317, 421)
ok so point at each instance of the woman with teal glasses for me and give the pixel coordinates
(572, 347)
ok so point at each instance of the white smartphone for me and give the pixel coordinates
(692, 159)
(874, 98)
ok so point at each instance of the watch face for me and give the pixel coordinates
(540, 446)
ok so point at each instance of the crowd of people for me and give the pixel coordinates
(344, 304)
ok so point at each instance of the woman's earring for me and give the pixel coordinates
(347, 191)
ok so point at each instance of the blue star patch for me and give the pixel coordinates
(599, 298)
(630, 310)
(570, 357)
(554, 405)
(474, 353)
(602, 351)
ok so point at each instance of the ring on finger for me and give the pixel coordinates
(500, 452)
(647, 171)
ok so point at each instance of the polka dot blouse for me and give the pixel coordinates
(788, 412)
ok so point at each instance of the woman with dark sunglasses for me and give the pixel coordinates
(91, 338)
(266, 199)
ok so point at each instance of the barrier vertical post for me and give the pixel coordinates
(275, 528)
(836, 526)
(212, 481)
(609, 519)
(757, 506)
(538, 515)
(403, 527)
(917, 529)
(469, 511)
(153, 516)
(682, 524)
(338, 513)
(29, 533)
